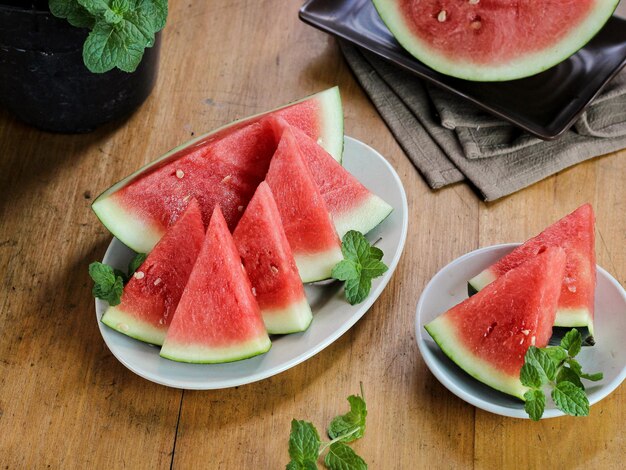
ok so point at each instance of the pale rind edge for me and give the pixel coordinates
(128, 325)
(445, 336)
(480, 281)
(363, 218)
(317, 266)
(525, 66)
(292, 319)
(202, 354)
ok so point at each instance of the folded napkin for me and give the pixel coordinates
(450, 140)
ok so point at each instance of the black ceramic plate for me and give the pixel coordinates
(545, 105)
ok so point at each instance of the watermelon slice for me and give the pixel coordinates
(576, 235)
(308, 226)
(217, 319)
(266, 255)
(488, 334)
(222, 167)
(150, 298)
(351, 205)
(487, 40)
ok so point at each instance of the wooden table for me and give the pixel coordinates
(66, 402)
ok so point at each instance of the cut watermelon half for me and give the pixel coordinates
(493, 40)
(222, 167)
(217, 319)
(488, 334)
(150, 298)
(266, 255)
(351, 205)
(574, 233)
(307, 223)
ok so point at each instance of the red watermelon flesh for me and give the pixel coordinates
(574, 233)
(493, 39)
(266, 255)
(488, 334)
(307, 223)
(351, 205)
(150, 298)
(218, 318)
(223, 167)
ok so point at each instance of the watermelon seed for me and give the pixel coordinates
(532, 340)
(226, 179)
(274, 269)
(526, 332)
(139, 275)
(180, 174)
(490, 329)
(240, 208)
(441, 17)
(122, 326)
(157, 281)
(254, 291)
(476, 25)
(474, 2)
(320, 141)
(521, 341)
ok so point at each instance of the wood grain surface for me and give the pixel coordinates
(66, 402)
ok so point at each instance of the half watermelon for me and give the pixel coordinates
(266, 255)
(222, 167)
(488, 334)
(150, 298)
(491, 40)
(217, 319)
(307, 223)
(351, 205)
(574, 233)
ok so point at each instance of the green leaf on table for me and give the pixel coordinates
(342, 457)
(575, 366)
(556, 353)
(568, 375)
(307, 465)
(304, 444)
(570, 399)
(535, 404)
(351, 424)
(542, 362)
(572, 341)
(593, 377)
(361, 263)
(72, 11)
(107, 285)
(530, 376)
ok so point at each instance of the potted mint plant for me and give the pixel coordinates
(72, 65)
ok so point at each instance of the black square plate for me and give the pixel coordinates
(545, 105)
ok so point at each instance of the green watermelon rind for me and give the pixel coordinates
(318, 266)
(130, 326)
(202, 354)
(525, 66)
(446, 337)
(363, 218)
(294, 318)
(142, 237)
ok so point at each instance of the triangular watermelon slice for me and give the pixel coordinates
(217, 319)
(351, 205)
(576, 235)
(488, 334)
(308, 226)
(222, 167)
(150, 298)
(266, 255)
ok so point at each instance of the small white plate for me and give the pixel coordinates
(449, 287)
(333, 315)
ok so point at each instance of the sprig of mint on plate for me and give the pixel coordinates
(120, 29)
(109, 282)
(556, 367)
(305, 445)
(361, 263)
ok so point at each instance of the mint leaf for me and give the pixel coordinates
(556, 353)
(568, 375)
(107, 46)
(544, 364)
(575, 366)
(304, 443)
(342, 457)
(352, 423)
(72, 11)
(530, 376)
(572, 341)
(593, 377)
(362, 263)
(107, 285)
(308, 465)
(135, 263)
(570, 399)
(535, 404)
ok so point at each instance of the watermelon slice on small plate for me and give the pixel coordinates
(332, 314)
(449, 287)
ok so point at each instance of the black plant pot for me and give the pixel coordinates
(44, 81)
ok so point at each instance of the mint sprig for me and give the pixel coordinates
(109, 282)
(361, 263)
(305, 445)
(120, 29)
(556, 368)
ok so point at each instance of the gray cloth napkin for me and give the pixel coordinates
(449, 140)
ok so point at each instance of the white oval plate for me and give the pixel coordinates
(333, 315)
(449, 287)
